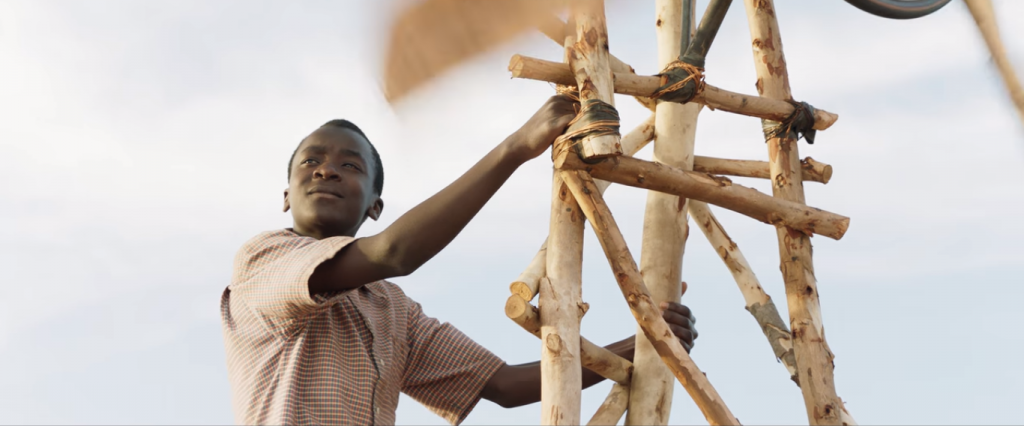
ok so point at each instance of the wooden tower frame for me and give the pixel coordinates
(680, 184)
(436, 35)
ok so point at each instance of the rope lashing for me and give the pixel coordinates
(681, 82)
(799, 124)
(595, 118)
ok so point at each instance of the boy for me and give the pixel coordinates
(313, 333)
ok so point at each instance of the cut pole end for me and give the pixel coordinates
(515, 306)
(824, 119)
(826, 173)
(515, 65)
(522, 290)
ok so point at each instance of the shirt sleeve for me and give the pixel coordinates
(272, 272)
(446, 370)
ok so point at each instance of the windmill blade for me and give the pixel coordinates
(985, 17)
(435, 35)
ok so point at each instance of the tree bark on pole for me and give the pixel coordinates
(665, 225)
(758, 303)
(813, 356)
(593, 75)
(560, 300)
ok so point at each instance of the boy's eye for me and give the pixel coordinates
(351, 166)
(308, 161)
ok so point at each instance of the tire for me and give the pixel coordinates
(899, 9)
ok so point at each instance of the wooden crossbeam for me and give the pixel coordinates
(812, 170)
(638, 85)
(643, 307)
(713, 190)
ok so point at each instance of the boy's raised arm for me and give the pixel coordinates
(418, 235)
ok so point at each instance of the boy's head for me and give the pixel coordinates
(335, 179)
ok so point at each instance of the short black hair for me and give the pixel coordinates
(378, 176)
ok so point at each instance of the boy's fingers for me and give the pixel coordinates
(684, 335)
(679, 309)
(684, 288)
(673, 317)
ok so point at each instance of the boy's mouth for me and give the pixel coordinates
(324, 192)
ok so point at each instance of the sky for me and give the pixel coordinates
(141, 143)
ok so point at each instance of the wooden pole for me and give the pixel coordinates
(813, 171)
(712, 189)
(758, 303)
(665, 225)
(985, 17)
(526, 284)
(613, 407)
(593, 76)
(694, 52)
(560, 300)
(639, 85)
(553, 27)
(814, 359)
(643, 307)
(592, 357)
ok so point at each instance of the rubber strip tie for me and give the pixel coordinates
(799, 124)
(681, 82)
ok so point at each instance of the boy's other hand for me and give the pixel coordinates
(681, 321)
(540, 131)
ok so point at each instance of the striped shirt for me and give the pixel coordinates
(294, 358)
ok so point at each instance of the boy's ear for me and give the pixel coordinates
(287, 205)
(375, 209)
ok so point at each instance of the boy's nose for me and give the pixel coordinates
(327, 172)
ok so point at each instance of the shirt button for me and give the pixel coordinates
(376, 410)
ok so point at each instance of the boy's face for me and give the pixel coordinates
(331, 190)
